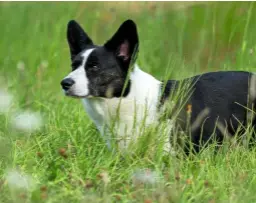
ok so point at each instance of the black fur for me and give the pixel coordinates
(224, 93)
(106, 74)
(78, 40)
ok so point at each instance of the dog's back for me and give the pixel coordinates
(225, 96)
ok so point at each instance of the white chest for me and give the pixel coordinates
(122, 119)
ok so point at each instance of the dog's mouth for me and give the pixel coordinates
(70, 94)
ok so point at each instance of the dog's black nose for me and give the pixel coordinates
(67, 83)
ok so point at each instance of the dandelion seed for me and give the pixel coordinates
(27, 121)
(91, 198)
(145, 176)
(21, 66)
(104, 177)
(6, 101)
(251, 51)
(44, 64)
(17, 180)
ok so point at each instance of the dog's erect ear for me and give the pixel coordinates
(77, 38)
(125, 42)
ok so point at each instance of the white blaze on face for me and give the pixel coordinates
(81, 85)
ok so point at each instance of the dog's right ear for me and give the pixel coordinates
(77, 38)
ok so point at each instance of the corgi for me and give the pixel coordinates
(110, 84)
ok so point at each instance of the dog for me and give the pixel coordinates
(110, 84)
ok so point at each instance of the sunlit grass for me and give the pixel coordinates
(66, 158)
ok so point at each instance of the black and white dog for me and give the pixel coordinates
(101, 75)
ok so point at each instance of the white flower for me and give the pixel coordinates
(6, 100)
(44, 64)
(91, 198)
(27, 121)
(21, 66)
(145, 176)
(105, 177)
(16, 180)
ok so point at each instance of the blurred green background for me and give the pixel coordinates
(183, 38)
(177, 40)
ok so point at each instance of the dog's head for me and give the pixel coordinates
(100, 71)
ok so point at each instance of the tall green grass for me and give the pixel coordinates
(67, 159)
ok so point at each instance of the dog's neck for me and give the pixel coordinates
(141, 102)
(144, 87)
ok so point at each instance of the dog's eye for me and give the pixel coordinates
(94, 68)
(92, 65)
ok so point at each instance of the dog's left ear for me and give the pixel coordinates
(125, 42)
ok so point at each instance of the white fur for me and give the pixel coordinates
(140, 104)
(80, 88)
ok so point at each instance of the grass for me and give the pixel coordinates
(67, 159)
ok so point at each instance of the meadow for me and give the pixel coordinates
(49, 149)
